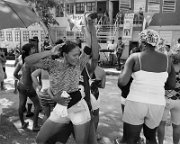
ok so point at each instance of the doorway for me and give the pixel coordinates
(115, 8)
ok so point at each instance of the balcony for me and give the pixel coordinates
(105, 31)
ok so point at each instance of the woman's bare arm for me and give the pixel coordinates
(125, 75)
(35, 58)
(35, 80)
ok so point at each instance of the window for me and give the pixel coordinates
(125, 5)
(90, 6)
(34, 33)
(2, 38)
(70, 8)
(25, 35)
(9, 36)
(17, 35)
(169, 6)
(60, 33)
(154, 6)
(59, 11)
(80, 8)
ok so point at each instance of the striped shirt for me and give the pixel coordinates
(62, 76)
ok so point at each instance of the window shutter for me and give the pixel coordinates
(154, 6)
(125, 5)
(169, 6)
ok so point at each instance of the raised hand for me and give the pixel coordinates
(56, 49)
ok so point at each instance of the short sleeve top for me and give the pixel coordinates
(63, 76)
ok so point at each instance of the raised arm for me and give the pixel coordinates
(35, 58)
(91, 40)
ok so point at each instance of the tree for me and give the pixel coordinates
(42, 8)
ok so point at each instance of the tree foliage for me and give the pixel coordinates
(42, 7)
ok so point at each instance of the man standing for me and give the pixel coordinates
(119, 51)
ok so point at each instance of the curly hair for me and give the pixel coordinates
(67, 47)
(150, 37)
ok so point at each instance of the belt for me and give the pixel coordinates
(175, 97)
(75, 98)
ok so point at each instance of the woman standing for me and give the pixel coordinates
(145, 102)
(25, 87)
(64, 76)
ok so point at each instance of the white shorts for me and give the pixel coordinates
(172, 107)
(95, 103)
(136, 113)
(78, 114)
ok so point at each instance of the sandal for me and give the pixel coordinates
(25, 125)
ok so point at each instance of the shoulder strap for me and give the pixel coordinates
(139, 58)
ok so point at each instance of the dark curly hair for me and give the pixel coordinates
(67, 47)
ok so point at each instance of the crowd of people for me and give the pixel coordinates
(63, 81)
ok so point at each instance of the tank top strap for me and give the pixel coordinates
(167, 63)
(139, 58)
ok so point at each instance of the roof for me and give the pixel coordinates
(165, 19)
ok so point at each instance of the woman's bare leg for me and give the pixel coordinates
(48, 129)
(82, 133)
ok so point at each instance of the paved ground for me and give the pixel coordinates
(110, 125)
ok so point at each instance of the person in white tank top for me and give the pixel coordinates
(145, 103)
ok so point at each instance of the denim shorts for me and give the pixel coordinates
(78, 114)
(26, 91)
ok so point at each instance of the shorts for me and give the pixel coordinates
(78, 114)
(45, 100)
(26, 91)
(172, 107)
(45, 103)
(136, 113)
(95, 102)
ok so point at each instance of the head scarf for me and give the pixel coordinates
(150, 36)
